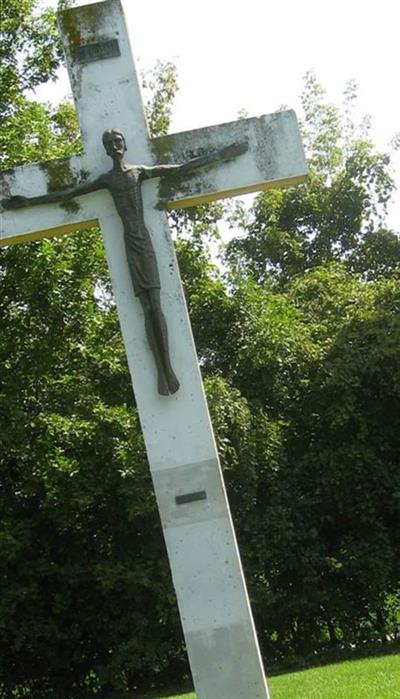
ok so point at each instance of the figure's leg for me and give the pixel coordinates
(161, 331)
(152, 336)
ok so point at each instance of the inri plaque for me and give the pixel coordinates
(98, 52)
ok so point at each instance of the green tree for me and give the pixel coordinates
(30, 55)
(338, 215)
(316, 283)
(325, 553)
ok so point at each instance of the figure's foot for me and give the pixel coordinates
(173, 382)
(163, 385)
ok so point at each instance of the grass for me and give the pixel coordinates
(370, 678)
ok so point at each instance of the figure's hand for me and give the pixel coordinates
(16, 202)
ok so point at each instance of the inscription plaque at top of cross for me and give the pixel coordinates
(205, 564)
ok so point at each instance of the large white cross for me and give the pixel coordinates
(204, 558)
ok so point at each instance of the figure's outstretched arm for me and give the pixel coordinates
(216, 156)
(159, 170)
(20, 202)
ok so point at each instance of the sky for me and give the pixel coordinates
(252, 56)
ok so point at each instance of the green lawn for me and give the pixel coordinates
(371, 678)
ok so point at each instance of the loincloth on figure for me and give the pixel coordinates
(141, 259)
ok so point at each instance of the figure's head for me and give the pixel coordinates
(114, 143)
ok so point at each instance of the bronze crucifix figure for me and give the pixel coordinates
(124, 182)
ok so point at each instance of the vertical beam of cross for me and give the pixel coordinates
(205, 564)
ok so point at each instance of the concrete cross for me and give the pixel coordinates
(203, 554)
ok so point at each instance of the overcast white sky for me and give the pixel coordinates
(253, 55)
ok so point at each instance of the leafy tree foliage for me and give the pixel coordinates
(338, 215)
(160, 86)
(314, 348)
(30, 51)
(298, 342)
(321, 534)
(30, 55)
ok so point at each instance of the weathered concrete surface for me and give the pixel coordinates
(275, 158)
(212, 646)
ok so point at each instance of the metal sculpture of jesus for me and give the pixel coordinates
(124, 182)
